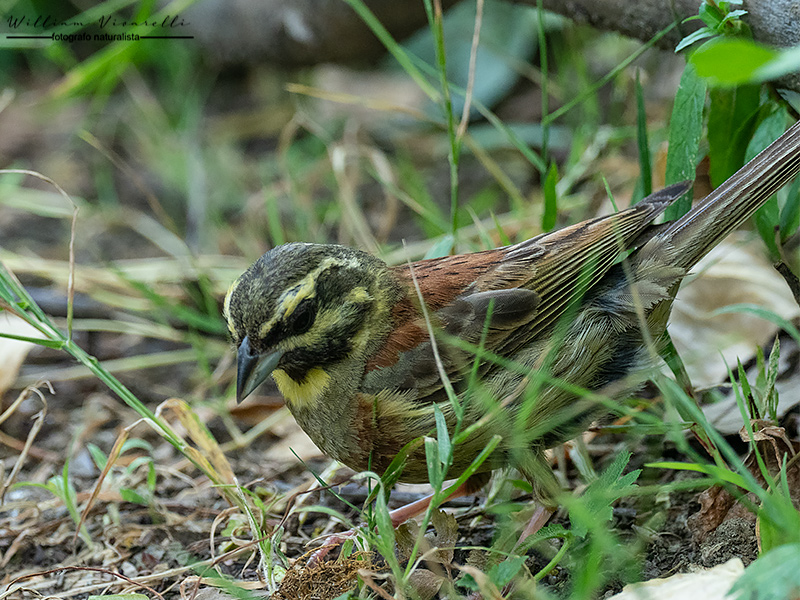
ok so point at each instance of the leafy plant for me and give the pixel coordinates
(720, 18)
(61, 487)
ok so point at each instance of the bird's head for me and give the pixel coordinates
(302, 309)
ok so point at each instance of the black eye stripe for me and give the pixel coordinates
(297, 323)
(302, 318)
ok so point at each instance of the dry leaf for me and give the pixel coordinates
(437, 547)
(717, 505)
(445, 537)
(732, 273)
(425, 584)
(711, 584)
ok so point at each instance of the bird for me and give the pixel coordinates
(510, 347)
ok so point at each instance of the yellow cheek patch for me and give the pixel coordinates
(306, 393)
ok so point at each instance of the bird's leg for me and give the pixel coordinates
(538, 520)
(545, 488)
(413, 509)
(403, 514)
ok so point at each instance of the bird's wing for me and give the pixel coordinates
(501, 299)
(565, 263)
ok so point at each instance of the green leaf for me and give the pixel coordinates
(502, 573)
(327, 510)
(514, 139)
(477, 461)
(770, 393)
(733, 15)
(383, 521)
(504, 239)
(790, 213)
(732, 61)
(210, 323)
(104, 66)
(136, 444)
(602, 493)
(443, 247)
(767, 218)
(347, 548)
(612, 477)
(786, 62)
(747, 392)
(772, 576)
(400, 54)
(700, 34)
(435, 475)
(642, 142)
(772, 125)
(119, 597)
(550, 200)
(685, 130)
(713, 470)
(778, 521)
(443, 436)
(138, 462)
(731, 121)
(98, 456)
(762, 312)
(508, 33)
(274, 225)
(711, 15)
(56, 345)
(129, 495)
(394, 471)
(152, 477)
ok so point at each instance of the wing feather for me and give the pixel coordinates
(521, 290)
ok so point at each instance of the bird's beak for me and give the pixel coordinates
(253, 369)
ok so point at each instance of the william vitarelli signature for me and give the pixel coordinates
(48, 21)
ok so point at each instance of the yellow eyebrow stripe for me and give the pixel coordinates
(305, 288)
(226, 307)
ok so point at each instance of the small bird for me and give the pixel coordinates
(348, 338)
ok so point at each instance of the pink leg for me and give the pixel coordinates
(413, 509)
(538, 520)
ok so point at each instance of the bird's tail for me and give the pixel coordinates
(723, 210)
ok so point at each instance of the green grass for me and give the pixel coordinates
(203, 198)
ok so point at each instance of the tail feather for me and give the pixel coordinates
(728, 206)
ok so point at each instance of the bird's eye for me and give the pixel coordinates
(302, 317)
